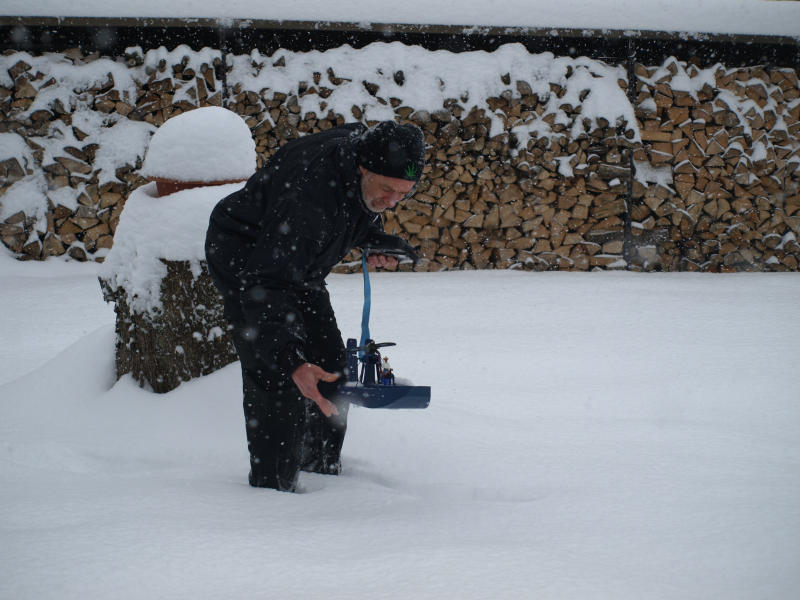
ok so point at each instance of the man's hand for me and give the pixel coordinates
(306, 377)
(380, 242)
(381, 260)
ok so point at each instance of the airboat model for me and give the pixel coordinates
(373, 385)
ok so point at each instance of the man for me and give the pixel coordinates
(269, 248)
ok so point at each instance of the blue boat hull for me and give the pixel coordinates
(386, 396)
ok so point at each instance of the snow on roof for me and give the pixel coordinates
(204, 144)
(758, 17)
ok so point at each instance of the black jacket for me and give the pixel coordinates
(277, 238)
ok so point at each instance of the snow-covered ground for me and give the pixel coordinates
(595, 435)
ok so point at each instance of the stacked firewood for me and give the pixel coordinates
(712, 167)
(731, 146)
(168, 89)
(84, 231)
(504, 202)
(486, 201)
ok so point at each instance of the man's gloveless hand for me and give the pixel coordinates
(306, 377)
(381, 260)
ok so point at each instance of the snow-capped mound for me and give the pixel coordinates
(205, 144)
(152, 228)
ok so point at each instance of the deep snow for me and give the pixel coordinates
(593, 435)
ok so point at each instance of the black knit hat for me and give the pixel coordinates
(393, 150)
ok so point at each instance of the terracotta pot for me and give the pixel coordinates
(170, 186)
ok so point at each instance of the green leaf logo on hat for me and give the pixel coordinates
(411, 171)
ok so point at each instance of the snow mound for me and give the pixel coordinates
(152, 228)
(204, 144)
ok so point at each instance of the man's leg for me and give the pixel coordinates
(324, 436)
(274, 410)
(275, 419)
(275, 423)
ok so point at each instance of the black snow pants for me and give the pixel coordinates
(285, 431)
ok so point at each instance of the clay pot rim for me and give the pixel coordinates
(166, 186)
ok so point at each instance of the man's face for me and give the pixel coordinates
(381, 192)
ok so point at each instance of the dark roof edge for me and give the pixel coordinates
(395, 28)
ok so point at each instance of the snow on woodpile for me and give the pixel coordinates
(529, 155)
(720, 163)
(426, 80)
(84, 122)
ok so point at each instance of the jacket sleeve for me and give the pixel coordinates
(380, 242)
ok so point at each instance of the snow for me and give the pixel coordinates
(680, 80)
(120, 144)
(32, 293)
(150, 228)
(646, 173)
(590, 435)
(432, 77)
(27, 195)
(564, 167)
(13, 145)
(710, 16)
(69, 77)
(787, 237)
(179, 149)
(120, 141)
